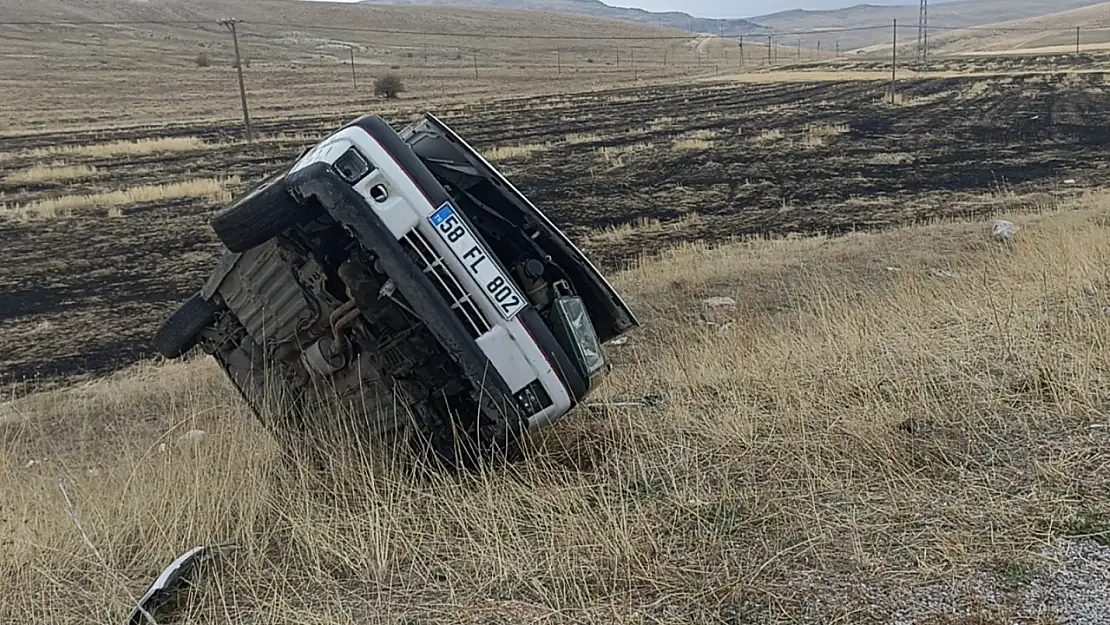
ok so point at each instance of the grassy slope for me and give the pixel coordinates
(1048, 33)
(327, 15)
(97, 74)
(671, 19)
(775, 471)
(958, 14)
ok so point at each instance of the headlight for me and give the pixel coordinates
(573, 322)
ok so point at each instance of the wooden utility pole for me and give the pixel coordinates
(475, 52)
(1077, 40)
(893, 61)
(354, 78)
(741, 50)
(559, 60)
(769, 38)
(230, 25)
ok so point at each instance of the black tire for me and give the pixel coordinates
(179, 333)
(258, 216)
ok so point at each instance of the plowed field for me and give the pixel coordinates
(83, 293)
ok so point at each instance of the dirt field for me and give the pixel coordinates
(711, 161)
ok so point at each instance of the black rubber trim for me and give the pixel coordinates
(346, 206)
(565, 367)
(402, 152)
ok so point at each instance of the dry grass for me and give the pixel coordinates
(699, 140)
(582, 137)
(501, 153)
(57, 172)
(772, 467)
(770, 136)
(890, 158)
(137, 147)
(827, 130)
(214, 189)
(615, 155)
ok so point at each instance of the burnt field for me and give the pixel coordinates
(87, 275)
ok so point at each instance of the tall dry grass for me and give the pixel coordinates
(54, 172)
(137, 147)
(874, 412)
(214, 188)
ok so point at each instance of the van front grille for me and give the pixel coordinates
(449, 287)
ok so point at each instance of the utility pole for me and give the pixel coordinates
(354, 78)
(230, 25)
(559, 60)
(893, 61)
(475, 53)
(1077, 40)
(923, 33)
(769, 38)
(741, 50)
(818, 48)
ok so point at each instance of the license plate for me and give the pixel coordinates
(494, 283)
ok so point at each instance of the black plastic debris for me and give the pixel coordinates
(178, 576)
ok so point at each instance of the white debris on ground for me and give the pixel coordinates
(1003, 230)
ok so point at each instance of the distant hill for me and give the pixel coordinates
(879, 19)
(595, 8)
(313, 32)
(1050, 34)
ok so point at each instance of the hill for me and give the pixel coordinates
(874, 21)
(1046, 34)
(595, 8)
(300, 52)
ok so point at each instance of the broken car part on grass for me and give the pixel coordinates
(396, 286)
(165, 592)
